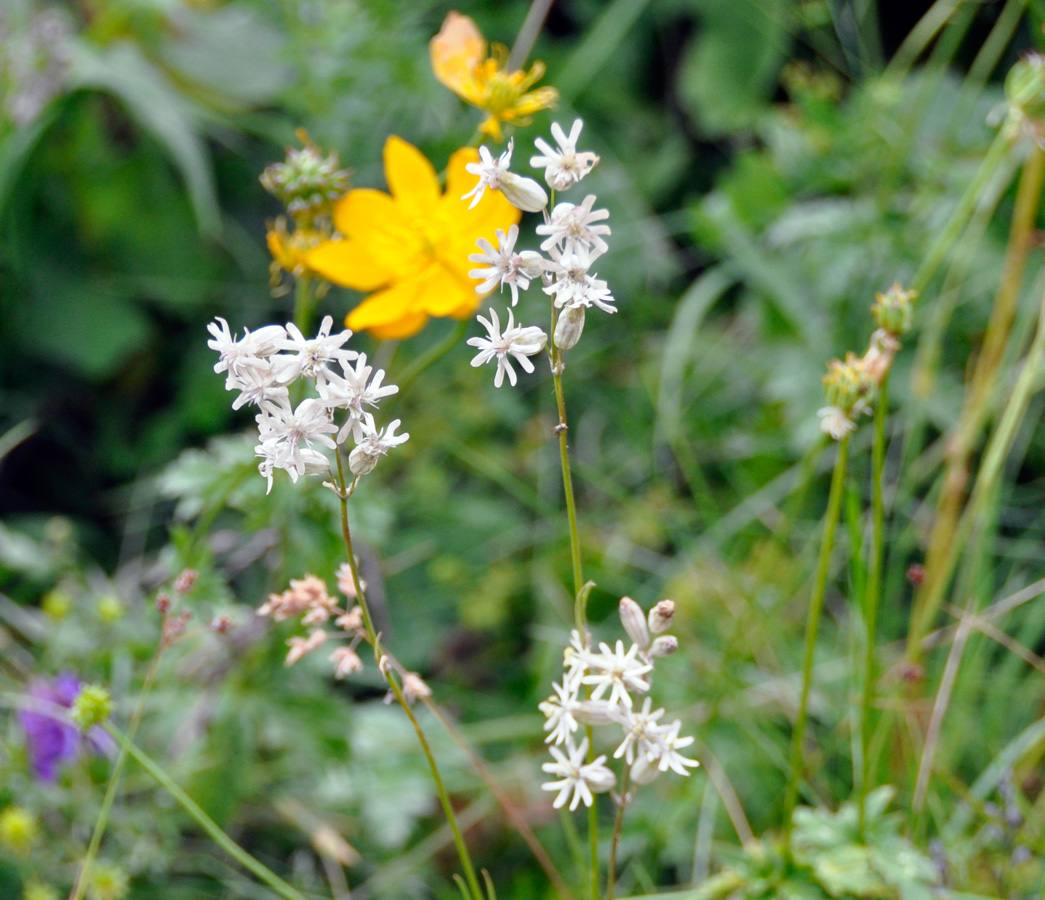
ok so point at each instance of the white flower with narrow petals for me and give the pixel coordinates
(256, 383)
(617, 671)
(503, 266)
(559, 710)
(374, 444)
(563, 166)
(670, 742)
(490, 172)
(287, 436)
(577, 777)
(514, 343)
(573, 286)
(640, 733)
(571, 226)
(356, 389)
(248, 351)
(313, 354)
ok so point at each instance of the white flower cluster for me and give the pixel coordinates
(600, 688)
(573, 240)
(263, 364)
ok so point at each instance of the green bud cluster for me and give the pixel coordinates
(848, 385)
(307, 183)
(893, 311)
(92, 706)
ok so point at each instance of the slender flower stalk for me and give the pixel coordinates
(834, 505)
(102, 821)
(387, 670)
(872, 597)
(622, 802)
(214, 831)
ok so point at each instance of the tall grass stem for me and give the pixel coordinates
(834, 506)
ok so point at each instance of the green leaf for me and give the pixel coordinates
(729, 71)
(157, 107)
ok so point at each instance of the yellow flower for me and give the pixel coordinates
(289, 249)
(410, 246)
(460, 62)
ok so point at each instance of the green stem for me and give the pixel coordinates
(386, 670)
(834, 505)
(966, 205)
(262, 872)
(611, 873)
(579, 594)
(101, 823)
(567, 483)
(411, 373)
(874, 590)
(304, 301)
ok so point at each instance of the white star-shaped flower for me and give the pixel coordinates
(563, 166)
(503, 266)
(571, 226)
(515, 342)
(577, 777)
(617, 671)
(490, 172)
(559, 709)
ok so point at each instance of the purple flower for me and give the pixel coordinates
(53, 742)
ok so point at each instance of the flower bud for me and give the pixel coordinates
(597, 712)
(665, 645)
(892, 311)
(643, 771)
(307, 183)
(19, 830)
(92, 706)
(634, 622)
(569, 327)
(848, 385)
(523, 193)
(185, 581)
(362, 460)
(1025, 87)
(661, 615)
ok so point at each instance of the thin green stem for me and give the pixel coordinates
(304, 301)
(419, 366)
(262, 872)
(102, 822)
(567, 483)
(579, 594)
(386, 666)
(834, 505)
(873, 594)
(611, 872)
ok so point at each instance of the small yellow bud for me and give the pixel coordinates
(56, 604)
(92, 706)
(107, 881)
(110, 609)
(19, 830)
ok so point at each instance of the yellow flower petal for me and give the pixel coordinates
(389, 306)
(411, 177)
(447, 291)
(349, 264)
(456, 52)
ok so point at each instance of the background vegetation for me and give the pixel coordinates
(768, 167)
